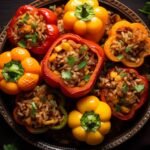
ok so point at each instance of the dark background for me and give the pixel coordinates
(141, 141)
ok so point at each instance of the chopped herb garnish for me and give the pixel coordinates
(28, 36)
(34, 25)
(33, 37)
(139, 87)
(34, 109)
(128, 49)
(9, 147)
(122, 100)
(83, 48)
(125, 88)
(22, 44)
(66, 75)
(117, 108)
(123, 74)
(52, 7)
(120, 57)
(71, 60)
(86, 57)
(25, 18)
(87, 77)
(82, 65)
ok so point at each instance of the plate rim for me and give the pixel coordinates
(129, 13)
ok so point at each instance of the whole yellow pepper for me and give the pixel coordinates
(85, 18)
(71, 5)
(90, 122)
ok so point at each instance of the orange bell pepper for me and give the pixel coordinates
(86, 18)
(18, 71)
(128, 43)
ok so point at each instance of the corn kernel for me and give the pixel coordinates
(82, 83)
(52, 57)
(49, 122)
(26, 28)
(125, 109)
(113, 74)
(56, 72)
(66, 46)
(58, 48)
(118, 78)
(87, 71)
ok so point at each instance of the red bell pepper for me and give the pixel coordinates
(55, 80)
(127, 95)
(22, 20)
(26, 102)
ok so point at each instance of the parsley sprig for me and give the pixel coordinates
(9, 147)
(146, 9)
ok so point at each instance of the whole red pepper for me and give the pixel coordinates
(51, 31)
(60, 101)
(116, 105)
(56, 81)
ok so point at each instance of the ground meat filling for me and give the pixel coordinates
(74, 62)
(123, 90)
(39, 108)
(30, 30)
(127, 45)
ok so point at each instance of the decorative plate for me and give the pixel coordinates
(120, 132)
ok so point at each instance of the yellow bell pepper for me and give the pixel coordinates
(90, 122)
(71, 5)
(85, 18)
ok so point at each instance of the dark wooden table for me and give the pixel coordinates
(141, 141)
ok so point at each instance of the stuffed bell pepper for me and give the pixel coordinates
(85, 18)
(125, 91)
(18, 71)
(40, 110)
(128, 43)
(91, 121)
(72, 64)
(33, 28)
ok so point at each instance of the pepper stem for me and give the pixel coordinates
(12, 71)
(84, 12)
(90, 121)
